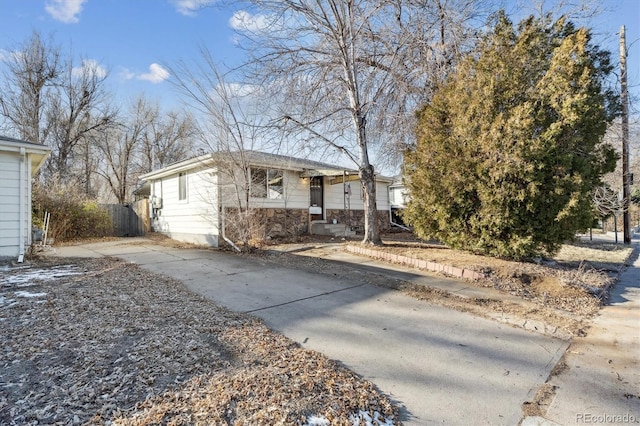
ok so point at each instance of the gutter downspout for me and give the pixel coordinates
(22, 213)
(221, 224)
(400, 226)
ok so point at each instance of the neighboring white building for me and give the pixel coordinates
(193, 200)
(398, 194)
(398, 199)
(19, 161)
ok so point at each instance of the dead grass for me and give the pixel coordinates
(576, 280)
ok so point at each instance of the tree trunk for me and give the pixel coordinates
(371, 229)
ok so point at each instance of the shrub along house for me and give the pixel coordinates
(205, 199)
(19, 161)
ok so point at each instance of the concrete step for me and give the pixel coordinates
(335, 230)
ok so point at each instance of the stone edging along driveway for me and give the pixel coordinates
(417, 263)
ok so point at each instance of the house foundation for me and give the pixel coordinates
(355, 218)
(261, 223)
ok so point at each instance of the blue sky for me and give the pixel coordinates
(133, 39)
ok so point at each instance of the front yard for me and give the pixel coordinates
(563, 292)
(106, 342)
(102, 341)
(575, 280)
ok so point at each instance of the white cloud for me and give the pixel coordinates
(190, 7)
(64, 10)
(126, 74)
(156, 74)
(90, 66)
(239, 89)
(245, 21)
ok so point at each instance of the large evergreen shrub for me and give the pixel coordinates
(511, 146)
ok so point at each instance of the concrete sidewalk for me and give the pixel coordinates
(439, 365)
(601, 383)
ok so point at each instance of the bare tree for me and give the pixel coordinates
(78, 109)
(87, 153)
(351, 73)
(231, 125)
(32, 70)
(119, 147)
(48, 100)
(606, 203)
(167, 139)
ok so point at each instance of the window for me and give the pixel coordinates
(275, 184)
(182, 186)
(267, 183)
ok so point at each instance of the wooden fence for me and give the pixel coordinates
(129, 220)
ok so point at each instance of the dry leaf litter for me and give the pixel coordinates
(101, 341)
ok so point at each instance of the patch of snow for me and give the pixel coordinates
(27, 294)
(4, 302)
(362, 418)
(26, 277)
(317, 421)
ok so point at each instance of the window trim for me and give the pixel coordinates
(265, 189)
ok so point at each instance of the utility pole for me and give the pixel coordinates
(624, 97)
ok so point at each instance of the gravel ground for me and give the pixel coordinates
(101, 341)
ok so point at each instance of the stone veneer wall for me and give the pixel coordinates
(288, 222)
(272, 222)
(355, 218)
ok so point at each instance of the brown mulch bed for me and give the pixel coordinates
(102, 341)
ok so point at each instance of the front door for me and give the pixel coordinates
(317, 198)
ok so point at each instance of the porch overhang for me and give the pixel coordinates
(328, 172)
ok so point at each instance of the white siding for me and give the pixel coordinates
(296, 191)
(194, 219)
(398, 196)
(10, 182)
(334, 195)
(9, 204)
(382, 196)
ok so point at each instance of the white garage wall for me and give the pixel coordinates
(193, 220)
(9, 204)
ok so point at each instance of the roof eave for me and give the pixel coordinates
(39, 153)
(203, 160)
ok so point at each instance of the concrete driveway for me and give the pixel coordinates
(441, 366)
